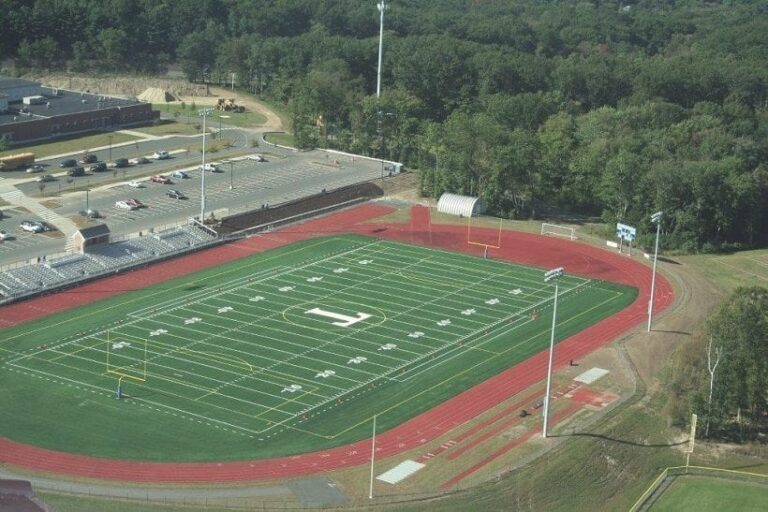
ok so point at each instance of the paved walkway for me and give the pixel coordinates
(9, 193)
(152, 493)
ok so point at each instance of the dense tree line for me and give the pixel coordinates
(614, 108)
(723, 375)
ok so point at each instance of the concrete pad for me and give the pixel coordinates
(400, 472)
(590, 376)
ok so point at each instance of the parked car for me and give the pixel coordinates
(139, 160)
(90, 213)
(210, 168)
(44, 178)
(129, 204)
(32, 226)
(161, 155)
(69, 162)
(98, 167)
(165, 180)
(256, 158)
(88, 158)
(35, 168)
(120, 163)
(4, 235)
(180, 174)
(136, 184)
(76, 171)
(175, 194)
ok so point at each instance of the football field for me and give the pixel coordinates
(301, 344)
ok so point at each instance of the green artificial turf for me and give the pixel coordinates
(245, 360)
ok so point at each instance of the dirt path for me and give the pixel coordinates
(273, 123)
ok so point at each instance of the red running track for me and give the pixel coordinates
(577, 258)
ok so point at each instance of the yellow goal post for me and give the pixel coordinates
(489, 237)
(126, 359)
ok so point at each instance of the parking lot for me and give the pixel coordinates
(240, 184)
(22, 243)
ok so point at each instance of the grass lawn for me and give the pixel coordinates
(287, 351)
(282, 139)
(699, 493)
(169, 128)
(75, 144)
(189, 115)
(728, 271)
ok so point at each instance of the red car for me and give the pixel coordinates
(88, 158)
(134, 203)
(160, 179)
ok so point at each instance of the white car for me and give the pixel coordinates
(31, 226)
(136, 184)
(3, 235)
(35, 168)
(256, 158)
(209, 167)
(161, 155)
(125, 205)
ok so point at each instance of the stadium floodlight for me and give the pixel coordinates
(204, 113)
(552, 275)
(373, 456)
(382, 6)
(656, 219)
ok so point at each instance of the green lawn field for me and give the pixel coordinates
(703, 494)
(283, 352)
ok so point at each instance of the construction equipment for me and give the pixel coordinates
(11, 162)
(229, 105)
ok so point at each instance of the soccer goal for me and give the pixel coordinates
(555, 230)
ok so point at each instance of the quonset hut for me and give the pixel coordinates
(462, 206)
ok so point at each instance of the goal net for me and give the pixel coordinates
(556, 230)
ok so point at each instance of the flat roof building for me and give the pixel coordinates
(34, 112)
(17, 88)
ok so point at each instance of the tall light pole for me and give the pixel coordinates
(382, 6)
(110, 147)
(231, 174)
(655, 218)
(552, 275)
(204, 113)
(373, 456)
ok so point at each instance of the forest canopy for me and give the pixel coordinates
(609, 108)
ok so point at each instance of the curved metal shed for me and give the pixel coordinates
(463, 206)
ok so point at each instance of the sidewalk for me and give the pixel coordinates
(15, 197)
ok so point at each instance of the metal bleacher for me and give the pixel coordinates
(100, 260)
